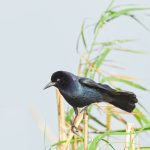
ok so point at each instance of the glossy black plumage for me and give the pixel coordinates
(80, 92)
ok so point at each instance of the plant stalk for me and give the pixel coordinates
(85, 131)
(61, 118)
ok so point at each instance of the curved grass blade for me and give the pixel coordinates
(144, 108)
(114, 42)
(138, 21)
(95, 141)
(130, 83)
(115, 14)
(129, 51)
(126, 5)
(142, 119)
(92, 128)
(96, 120)
(83, 36)
(110, 5)
(99, 24)
(93, 145)
(138, 117)
(78, 41)
(98, 62)
(108, 143)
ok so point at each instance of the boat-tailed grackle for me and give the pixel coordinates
(81, 92)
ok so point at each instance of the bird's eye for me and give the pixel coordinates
(58, 80)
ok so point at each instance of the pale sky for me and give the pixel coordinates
(38, 37)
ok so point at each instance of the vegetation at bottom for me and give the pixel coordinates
(95, 63)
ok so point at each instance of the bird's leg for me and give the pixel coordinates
(73, 122)
(84, 109)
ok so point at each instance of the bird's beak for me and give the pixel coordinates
(49, 85)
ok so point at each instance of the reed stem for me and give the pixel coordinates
(85, 131)
(130, 137)
(61, 118)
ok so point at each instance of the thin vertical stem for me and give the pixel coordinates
(61, 118)
(85, 131)
(108, 120)
(108, 117)
(130, 137)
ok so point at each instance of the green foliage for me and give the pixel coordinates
(93, 145)
(141, 118)
(98, 62)
(91, 62)
(69, 115)
(130, 83)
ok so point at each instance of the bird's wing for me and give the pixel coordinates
(93, 84)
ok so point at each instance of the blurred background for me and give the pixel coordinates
(38, 38)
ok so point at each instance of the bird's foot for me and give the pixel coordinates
(84, 109)
(74, 129)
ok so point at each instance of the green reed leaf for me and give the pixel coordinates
(98, 62)
(130, 83)
(83, 36)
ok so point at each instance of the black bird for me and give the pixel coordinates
(81, 92)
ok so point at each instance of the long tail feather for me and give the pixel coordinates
(124, 100)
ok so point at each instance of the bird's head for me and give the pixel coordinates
(60, 79)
